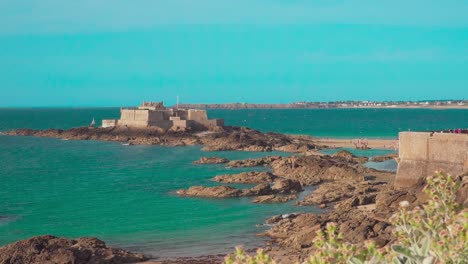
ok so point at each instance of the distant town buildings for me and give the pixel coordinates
(155, 114)
(338, 104)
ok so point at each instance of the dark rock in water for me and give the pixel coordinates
(246, 177)
(280, 186)
(348, 156)
(261, 189)
(50, 249)
(253, 162)
(211, 160)
(384, 158)
(213, 192)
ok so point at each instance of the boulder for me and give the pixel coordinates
(350, 193)
(213, 192)
(252, 162)
(211, 160)
(311, 170)
(260, 189)
(384, 158)
(243, 138)
(286, 186)
(246, 177)
(349, 157)
(51, 249)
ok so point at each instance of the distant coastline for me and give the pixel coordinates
(462, 104)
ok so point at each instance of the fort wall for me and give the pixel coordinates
(151, 114)
(109, 122)
(197, 115)
(422, 153)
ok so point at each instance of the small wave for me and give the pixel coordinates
(5, 219)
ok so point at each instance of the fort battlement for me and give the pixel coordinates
(154, 114)
(422, 153)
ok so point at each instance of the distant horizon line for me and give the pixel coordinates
(248, 103)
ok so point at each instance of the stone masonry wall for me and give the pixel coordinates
(109, 122)
(420, 154)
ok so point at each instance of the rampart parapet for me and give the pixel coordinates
(423, 153)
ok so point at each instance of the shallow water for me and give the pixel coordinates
(125, 194)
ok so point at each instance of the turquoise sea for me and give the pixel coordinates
(125, 194)
(339, 123)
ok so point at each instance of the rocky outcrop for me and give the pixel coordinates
(284, 186)
(260, 189)
(246, 139)
(235, 138)
(51, 249)
(273, 198)
(211, 160)
(280, 186)
(264, 161)
(384, 158)
(134, 136)
(345, 193)
(224, 138)
(349, 157)
(297, 148)
(214, 192)
(312, 170)
(361, 213)
(251, 177)
(299, 231)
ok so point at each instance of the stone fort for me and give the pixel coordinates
(155, 114)
(422, 153)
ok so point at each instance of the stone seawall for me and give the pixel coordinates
(422, 153)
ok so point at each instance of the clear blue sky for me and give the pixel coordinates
(119, 52)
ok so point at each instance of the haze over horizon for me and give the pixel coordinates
(112, 53)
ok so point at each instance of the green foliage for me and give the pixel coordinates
(435, 233)
(240, 257)
(330, 248)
